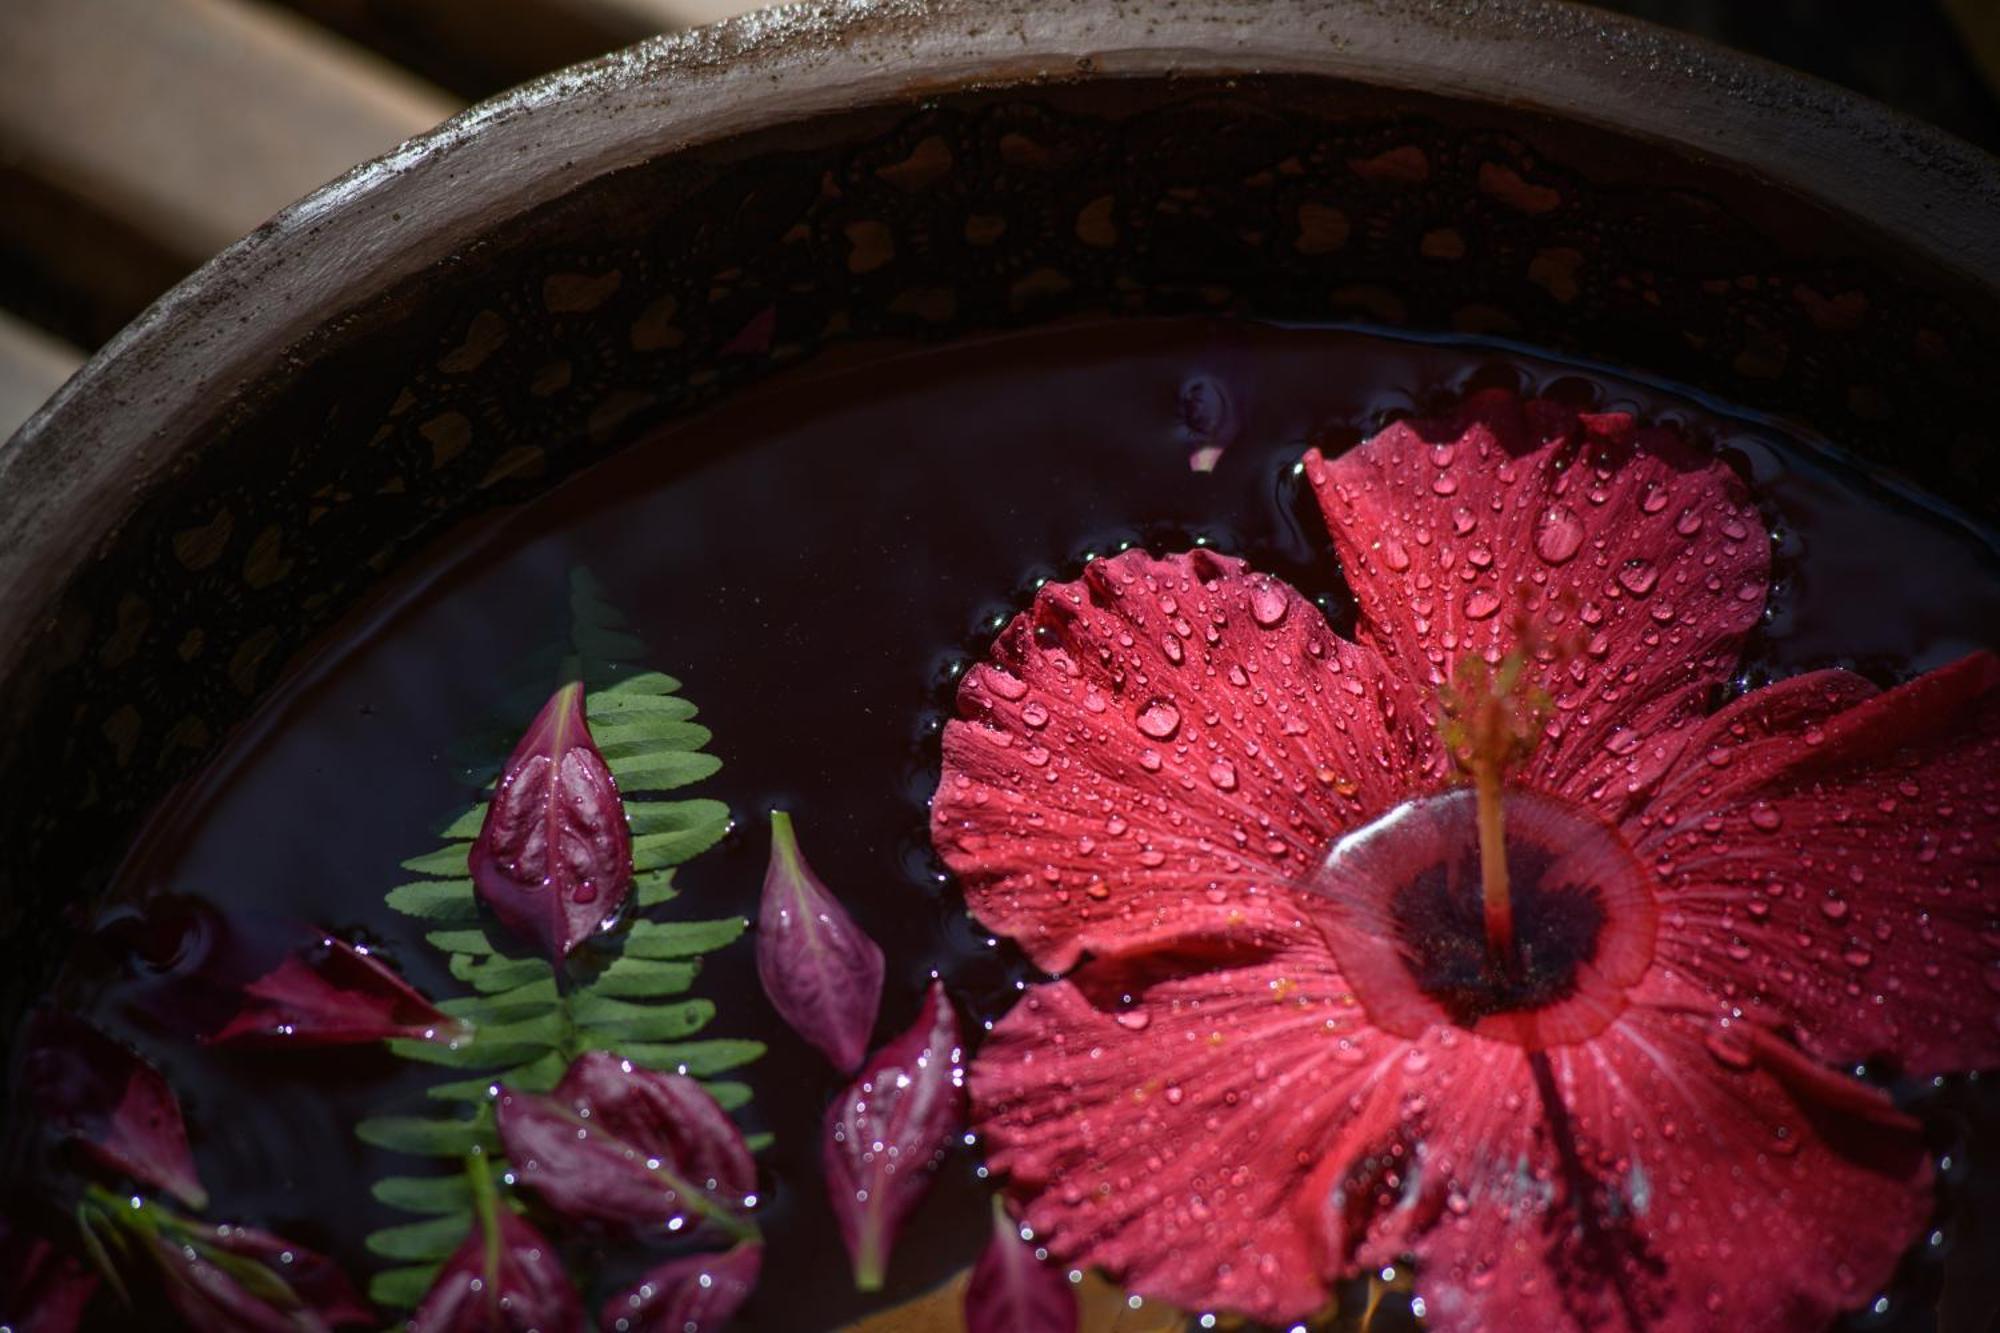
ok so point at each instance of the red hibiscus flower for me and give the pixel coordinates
(1563, 1038)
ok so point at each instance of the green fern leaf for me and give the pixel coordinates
(682, 939)
(641, 978)
(425, 1194)
(402, 1288)
(432, 1240)
(654, 888)
(700, 1059)
(436, 900)
(607, 1024)
(527, 1020)
(449, 860)
(661, 770)
(420, 1137)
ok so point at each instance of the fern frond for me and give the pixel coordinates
(621, 993)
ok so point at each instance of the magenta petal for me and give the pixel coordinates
(505, 1278)
(888, 1131)
(112, 1104)
(554, 857)
(624, 1145)
(42, 1290)
(241, 1278)
(332, 995)
(697, 1293)
(821, 971)
(1014, 1292)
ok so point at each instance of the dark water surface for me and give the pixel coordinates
(815, 561)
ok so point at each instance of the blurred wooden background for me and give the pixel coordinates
(138, 137)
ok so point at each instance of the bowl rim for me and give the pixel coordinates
(145, 402)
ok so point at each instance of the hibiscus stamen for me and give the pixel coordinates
(1491, 721)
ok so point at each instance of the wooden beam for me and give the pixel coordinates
(32, 366)
(179, 125)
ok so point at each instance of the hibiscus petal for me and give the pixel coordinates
(1162, 1117)
(615, 1143)
(1012, 1291)
(1152, 749)
(1728, 1183)
(332, 995)
(504, 1277)
(1827, 853)
(93, 1091)
(554, 856)
(886, 1134)
(1453, 534)
(42, 1290)
(821, 971)
(697, 1293)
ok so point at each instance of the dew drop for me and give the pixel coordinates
(1223, 774)
(1267, 604)
(1481, 603)
(1558, 535)
(1638, 576)
(1159, 719)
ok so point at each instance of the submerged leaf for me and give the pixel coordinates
(333, 995)
(1012, 1291)
(554, 857)
(504, 1278)
(889, 1130)
(821, 971)
(94, 1092)
(697, 1293)
(615, 1143)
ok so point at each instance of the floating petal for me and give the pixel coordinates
(616, 1143)
(553, 858)
(821, 971)
(332, 995)
(505, 1278)
(697, 1293)
(1012, 1291)
(886, 1134)
(114, 1106)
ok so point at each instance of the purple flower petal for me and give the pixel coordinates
(697, 1293)
(628, 1146)
(554, 856)
(113, 1105)
(241, 1278)
(332, 995)
(1012, 1291)
(889, 1130)
(505, 1277)
(821, 971)
(42, 1289)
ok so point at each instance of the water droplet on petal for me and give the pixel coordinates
(1267, 604)
(1159, 719)
(1558, 535)
(1481, 603)
(1638, 576)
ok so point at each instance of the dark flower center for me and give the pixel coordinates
(1399, 902)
